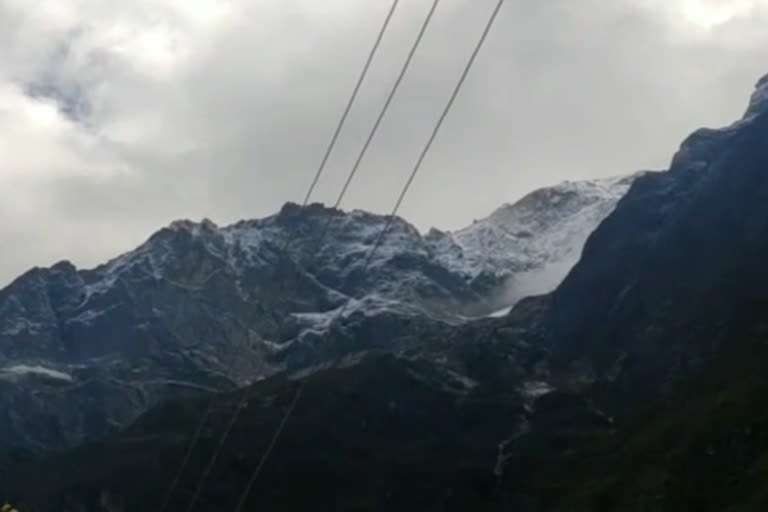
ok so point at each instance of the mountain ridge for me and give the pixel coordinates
(200, 307)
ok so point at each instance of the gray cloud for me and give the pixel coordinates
(118, 117)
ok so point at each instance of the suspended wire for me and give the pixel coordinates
(307, 197)
(255, 476)
(435, 131)
(212, 462)
(343, 119)
(351, 177)
(187, 456)
(289, 412)
(384, 110)
(374, 130)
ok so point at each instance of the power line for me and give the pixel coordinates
(212, 462)
(349, 104)
(187, 456)
(369, 259)
(255, 476)
(374, 130)
(439, 124)
(428, 145)
(351, 176)
(388, 102)
(312, 186)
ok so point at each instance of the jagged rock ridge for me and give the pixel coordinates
(200, 307)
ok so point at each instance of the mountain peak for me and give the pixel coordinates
(535, 241)
(190, 225)
(566, 198)
(64, 266)
(698, 150)
(758, 103)
(291, 209)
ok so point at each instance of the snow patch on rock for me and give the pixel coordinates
(22, 370)
(535, 241)
(536, 389)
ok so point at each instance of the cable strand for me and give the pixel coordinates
(352, 98)
(324, 231)
(187, 456)
(196, 436)
(369, 259)
(435, 131)
(255, 476)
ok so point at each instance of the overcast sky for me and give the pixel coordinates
(119, 116)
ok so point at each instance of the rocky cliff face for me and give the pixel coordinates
(199, 307)
(662, 325)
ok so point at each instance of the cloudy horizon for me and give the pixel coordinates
(119, 117)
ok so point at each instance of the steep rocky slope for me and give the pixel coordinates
(679, 260)
(200, 307)
(662, 325)
(637, 385)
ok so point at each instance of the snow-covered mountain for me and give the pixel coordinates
(535, 241)
(198, 306)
